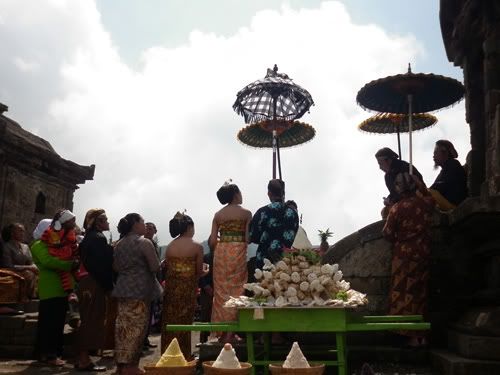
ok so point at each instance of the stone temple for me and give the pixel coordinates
(34, 180)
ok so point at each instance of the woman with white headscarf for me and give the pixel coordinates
(52, 294)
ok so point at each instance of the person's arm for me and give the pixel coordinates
(255, 229)
(247, 225)
(148, 250)
(40, 253)
(212, 241)
(7, 261)
(199, 261)
(390, 227)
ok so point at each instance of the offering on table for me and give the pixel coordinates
(299, 279)
(227, 358)
(172, 357)
(295, 358)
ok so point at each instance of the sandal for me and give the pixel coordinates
(90, 367)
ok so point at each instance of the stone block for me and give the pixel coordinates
(30, 325)
(13, 322)
(370, 285)
(448, 363)
(24, 340)
(483, 321)
(31, 306)
(16, 351)
(471, 346)
(372, 259)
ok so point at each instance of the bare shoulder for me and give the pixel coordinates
(248, 213)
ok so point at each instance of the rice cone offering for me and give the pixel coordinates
(296, 363)
(226, 363)
(172, 362)
(172, 357)
(227, 358)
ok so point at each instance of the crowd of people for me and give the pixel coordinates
(119, 285)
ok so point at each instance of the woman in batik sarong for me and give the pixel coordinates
(183, 267)
(408, 228)
(136, 263)
(229, 237)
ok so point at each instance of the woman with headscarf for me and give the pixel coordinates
(408, 228)
(53, 296)
(183, 267)
(97, 310)
(16, 257)
(136, 264)
(389, 162)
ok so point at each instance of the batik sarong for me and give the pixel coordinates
(230, 273)
(179, 302)
(97, 316)
(130, 330)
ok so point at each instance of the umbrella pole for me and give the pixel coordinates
(278, 154)
(410, 115)
(274, 154)
(399, 141)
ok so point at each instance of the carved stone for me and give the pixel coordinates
(34, 180)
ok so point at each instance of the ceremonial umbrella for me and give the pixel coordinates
(276, 99)
(410, 93)
(390, 123)
(293, 134)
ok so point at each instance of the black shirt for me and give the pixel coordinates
(97, 257)
(451, 182)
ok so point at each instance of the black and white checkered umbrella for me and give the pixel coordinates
(274, 100)
(275, 97)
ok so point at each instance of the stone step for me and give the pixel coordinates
(473, 346)
(31, 306)
(448, 363)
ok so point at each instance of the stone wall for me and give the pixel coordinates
(21, 189)
(365, 260)
(35, 181)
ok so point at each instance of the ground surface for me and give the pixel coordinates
(32, 367)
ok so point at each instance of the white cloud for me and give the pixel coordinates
(164, 137)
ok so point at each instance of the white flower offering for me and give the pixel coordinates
(173, 356)
(227, 358)
(295, 358)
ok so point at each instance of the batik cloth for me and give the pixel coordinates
(97, 316)
(408, 228)
(130, 330)
(273, 227)
(179, 302)
(229, 269)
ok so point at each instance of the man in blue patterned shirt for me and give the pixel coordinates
(273, 226)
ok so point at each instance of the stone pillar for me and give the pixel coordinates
(474, 114)
(491, 48)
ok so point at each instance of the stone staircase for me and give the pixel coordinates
(18, 333)
(473, 345)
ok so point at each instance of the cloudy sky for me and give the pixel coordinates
(144, 89)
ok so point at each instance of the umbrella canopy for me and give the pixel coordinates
(295, 133)
(429, 92)
(274, 97)
(410, 93)
(390, 123)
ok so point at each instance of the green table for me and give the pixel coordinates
(337, 321)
